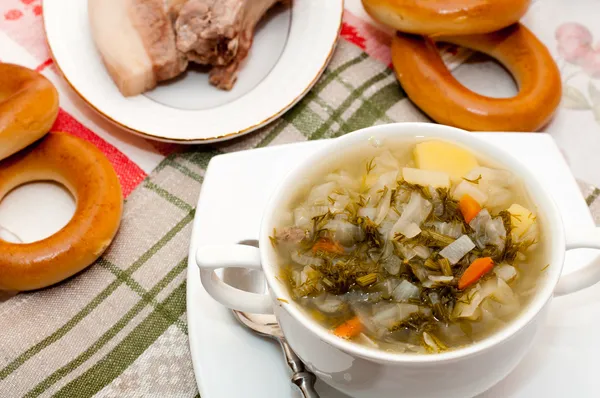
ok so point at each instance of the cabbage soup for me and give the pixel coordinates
(415, 246)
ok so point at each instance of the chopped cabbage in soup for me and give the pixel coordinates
(415, 251)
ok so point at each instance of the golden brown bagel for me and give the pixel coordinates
(28, 107)
(430, 85)
(450, 17)
(86, 172)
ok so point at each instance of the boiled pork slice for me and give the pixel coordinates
(219, 33)
(136, 41)
(207, 30)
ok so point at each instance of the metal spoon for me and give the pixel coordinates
(267, 325)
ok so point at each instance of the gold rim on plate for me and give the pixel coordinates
(207, 140)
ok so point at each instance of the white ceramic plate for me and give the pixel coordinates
(230, 361)
(291, 49)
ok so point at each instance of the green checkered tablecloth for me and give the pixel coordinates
(119, 328)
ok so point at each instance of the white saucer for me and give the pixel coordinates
(292, 47)
(229, 361)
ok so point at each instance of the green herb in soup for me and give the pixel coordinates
(419, 251)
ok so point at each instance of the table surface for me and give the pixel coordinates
(119, 329)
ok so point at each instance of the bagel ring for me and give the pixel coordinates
(28, 107)
(430, 85)
(85, 171)
(454, 17)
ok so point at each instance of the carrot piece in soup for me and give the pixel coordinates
(469, 207)
(349, 329)
(475, 271)
(327, 245)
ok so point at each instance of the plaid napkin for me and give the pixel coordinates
(119, 328)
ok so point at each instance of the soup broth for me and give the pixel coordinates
(416, 247)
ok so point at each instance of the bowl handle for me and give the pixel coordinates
(211, 258)
(588, 275)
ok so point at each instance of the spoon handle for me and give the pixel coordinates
(304, 379)
(306, 383)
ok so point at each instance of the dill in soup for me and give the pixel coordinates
(414, 247)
